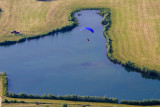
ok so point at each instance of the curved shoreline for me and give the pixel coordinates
(105, 12)
(107, 24)
(128, 64)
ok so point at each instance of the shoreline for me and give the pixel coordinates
(106, 21)
(106, 14)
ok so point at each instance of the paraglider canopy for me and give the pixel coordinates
(88, 28)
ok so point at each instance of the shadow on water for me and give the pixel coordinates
(144, 75)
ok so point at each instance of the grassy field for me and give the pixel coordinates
(135, 27)
(58, 103)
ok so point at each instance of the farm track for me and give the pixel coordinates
(135, 29)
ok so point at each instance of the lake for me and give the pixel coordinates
(66, 63)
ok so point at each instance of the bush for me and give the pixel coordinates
(64, 105)
(5, 101)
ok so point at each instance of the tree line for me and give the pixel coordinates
(106, 21)
(12, 101)
(143, 102)
(66, 97)
(4, 83)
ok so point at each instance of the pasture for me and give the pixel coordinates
(58, 103)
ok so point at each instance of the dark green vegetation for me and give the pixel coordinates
(67, 97)
(0, 11)
(4, 83)
(64, 105)
(143, 102)
(12, 101)
(142, 69)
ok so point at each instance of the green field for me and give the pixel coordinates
(135, 24)
(58, 103)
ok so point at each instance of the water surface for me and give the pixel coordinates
(66, 63)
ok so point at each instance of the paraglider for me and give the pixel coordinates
(88, 28)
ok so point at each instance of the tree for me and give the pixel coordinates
(6, 101)
(64, 105)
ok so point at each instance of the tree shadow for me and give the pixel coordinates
(144, 75)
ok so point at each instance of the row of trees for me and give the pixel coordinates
(66, 97)
(143, 102)
(142, 69)
(107, 24)
(72, 23)
(134, 102)
(12, 101)
(3, 76)
(106, 17)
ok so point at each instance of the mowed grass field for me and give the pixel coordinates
(135, 27)
(58, 103)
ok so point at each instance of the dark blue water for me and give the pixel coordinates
(67, 63)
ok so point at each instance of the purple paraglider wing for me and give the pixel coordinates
(88, 28)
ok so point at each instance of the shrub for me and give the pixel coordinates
(5, 101)
(64, 105)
